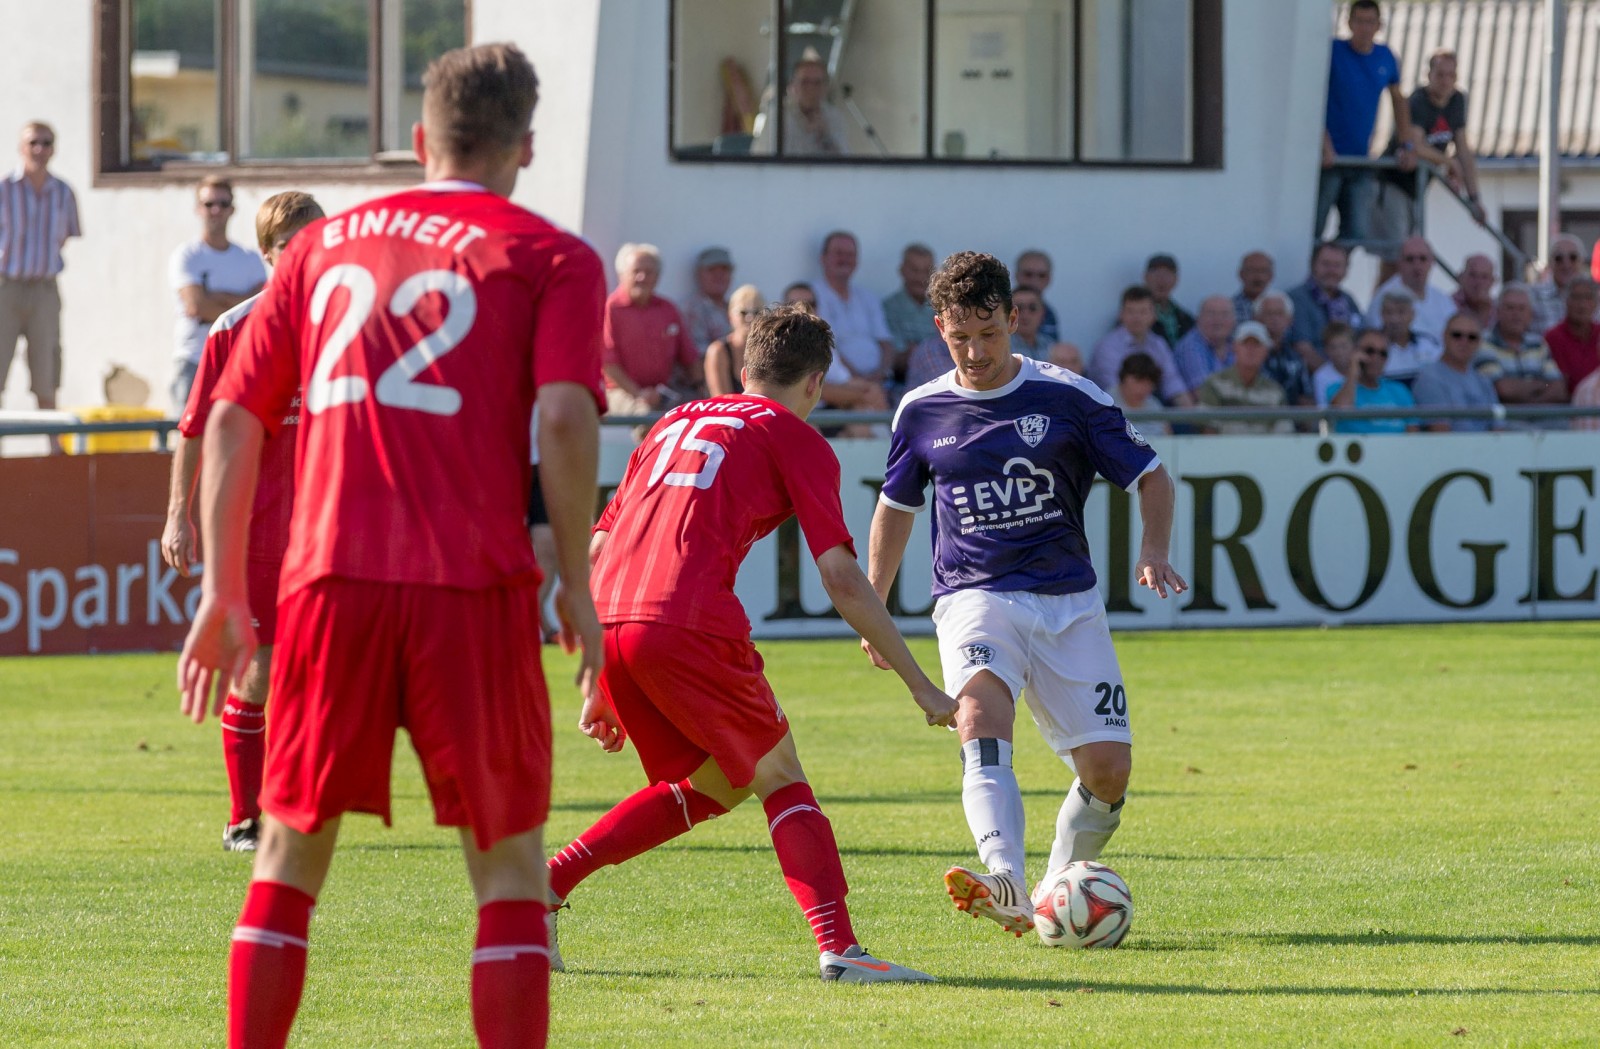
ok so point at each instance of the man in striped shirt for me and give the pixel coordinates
(38, 212)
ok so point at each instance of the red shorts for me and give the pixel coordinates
(458, 669)
(261, 588)
(684, 696)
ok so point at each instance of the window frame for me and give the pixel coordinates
(112, 59)
(1206, 108)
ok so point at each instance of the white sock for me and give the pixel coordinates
(1083, 826)
(993, 803)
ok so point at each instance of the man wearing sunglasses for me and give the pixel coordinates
(1365, 387)
(210, 275)
(1452, 382)
(38, 212)
(1550, 293)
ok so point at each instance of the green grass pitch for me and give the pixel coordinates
(1377, 836)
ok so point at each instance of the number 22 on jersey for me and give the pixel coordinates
(397, 387)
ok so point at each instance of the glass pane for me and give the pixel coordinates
(1138, 77)
(174, 112)
(415, 32)
(1003, 80)
(723, 52)
(303, 85)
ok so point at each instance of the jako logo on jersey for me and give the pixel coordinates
(1136, 437)
(941, 442)
(977, 656)
(1031, 429)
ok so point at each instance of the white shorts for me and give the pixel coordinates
(1053, 649)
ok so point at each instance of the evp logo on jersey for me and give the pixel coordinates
(1021, 494)
(1031, 428)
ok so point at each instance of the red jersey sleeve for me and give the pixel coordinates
(810, 472)
(212, 360)
(568, 330)
(263, 372)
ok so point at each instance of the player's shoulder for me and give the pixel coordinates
(916, 401)
(1059, 381)
(234, 316)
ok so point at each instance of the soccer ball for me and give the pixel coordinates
(1082, 905)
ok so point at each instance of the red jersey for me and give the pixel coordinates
(422, 324)
(269, 514)
(711, 479)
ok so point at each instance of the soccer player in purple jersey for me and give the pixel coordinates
(1012, 446)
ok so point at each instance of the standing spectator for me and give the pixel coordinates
(38, 212)
(1550, 293)
(1244, 385)
(1207, 348)
(1026, 339)
(907, 310)
(861, 334)
(1360, 71)
(1475, 290)
(812, 125)
(707, 312)
(644, 337)
(1364, 386)
(724, 361)
(1516, 359)
(1256, 271)
(1034, 269)
(1321, 301)
(1339, 340)
(1409, 349)
(1161, 277)
(1451, 381)
(1133, 334)
(210, 275)
(1438, 130)
(1284, 366)
(1137, 380)
(1433, 307)
(1575, 342)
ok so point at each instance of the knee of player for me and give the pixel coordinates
(1108, 783)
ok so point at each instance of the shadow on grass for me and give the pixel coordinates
(1397, 939)
(1011, 983)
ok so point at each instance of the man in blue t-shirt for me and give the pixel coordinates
(1359, 73)
(1012, 446)
(1365, 387)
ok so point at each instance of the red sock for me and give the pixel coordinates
(244, 751)
(803, 839)
(638, 823)
(511, 976)
(267, 966)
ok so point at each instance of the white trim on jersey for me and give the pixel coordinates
(886, 501)
(231, 317)
(1155, 461)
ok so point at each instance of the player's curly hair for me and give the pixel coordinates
(786, 344)
(478, 101)
(970, 280)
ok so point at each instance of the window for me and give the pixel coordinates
(953, 81)
(266, 83)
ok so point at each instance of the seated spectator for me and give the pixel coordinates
(812, 125)
(1133, 335)
(1275, 312)
(1517, 360)
(907, 310)
(1475, 293)
(1137, 380)
(1034, 269)
(1409, 349)
(1244, 385)
(1339, 341)
(1451, 381)
(1026, 340)
(1256, 271)
(1550, 293)
(1067, 355)
(800, 293)
(1575, 342)
(1364, 386)
(707, 311)
(861, 339)
(1587, 395)
(1432, 306)
(840, 389)
(1206, 348)
(927, 360)
(1320, 301)
(643, 338)
(1161, 277)
(724, 362)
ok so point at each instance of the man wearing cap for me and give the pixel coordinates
(706, 313)
(1161, 276)
(1244, 385)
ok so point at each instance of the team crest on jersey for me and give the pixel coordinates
(977, 656)
(1136, 437)
(1031, 429)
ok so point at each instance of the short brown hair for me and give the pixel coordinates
(213, 182)
(478, 101)
(1140, 366)
(970, 280)
(1137, 293)
(1337, 330)
(786, 344)
(282, 214)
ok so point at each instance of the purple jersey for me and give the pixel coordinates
(1011, 469)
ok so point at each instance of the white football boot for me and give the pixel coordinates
(857, 966)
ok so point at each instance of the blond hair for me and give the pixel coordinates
(283, 214)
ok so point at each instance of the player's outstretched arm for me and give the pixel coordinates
(853, 596)
(569, 436)
(180, 547)
(1156, 497)
(221, 637)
